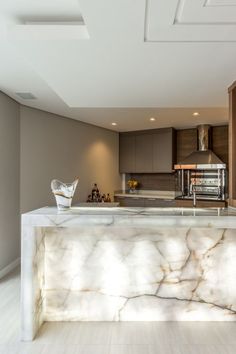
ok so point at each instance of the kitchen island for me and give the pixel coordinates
(127, 264)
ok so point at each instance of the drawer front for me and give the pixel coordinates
(200, 204)
(159, 203)
(145, 202)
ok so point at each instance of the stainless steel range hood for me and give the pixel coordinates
(203, 158)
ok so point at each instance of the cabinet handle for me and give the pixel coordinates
(152, 199)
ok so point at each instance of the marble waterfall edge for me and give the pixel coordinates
(108, 271)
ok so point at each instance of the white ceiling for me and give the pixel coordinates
(121, 61)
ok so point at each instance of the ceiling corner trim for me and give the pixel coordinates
(190, 21)
(48, 31)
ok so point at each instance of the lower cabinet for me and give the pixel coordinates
(180, 203)
(159, 203)
(165, 203)
(144, 202)
(130, 201)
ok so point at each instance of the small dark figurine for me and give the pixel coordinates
(108, 198)
(89, 200)
(97, 197)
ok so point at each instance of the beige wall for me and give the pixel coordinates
(57, 147)
(9, 180)
(37, 146)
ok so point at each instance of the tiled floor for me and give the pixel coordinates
(107, 337)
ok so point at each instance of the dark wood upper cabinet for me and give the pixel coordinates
(127, 153)
(163, 151)
(150, 151)
(144, 153)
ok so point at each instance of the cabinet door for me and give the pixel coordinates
(143, 153)
(130, 201)
(127, 153)
(134, 202)
(163, 151)
(120, 200)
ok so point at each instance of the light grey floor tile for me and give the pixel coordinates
(180, 348)
(131, 333)
(88, 349)
(72, 333)
(93, 333)
(129, 349)
(22, 348)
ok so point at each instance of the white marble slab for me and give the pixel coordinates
(146, 217)
(127, 264)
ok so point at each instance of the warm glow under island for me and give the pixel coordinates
(127, 264)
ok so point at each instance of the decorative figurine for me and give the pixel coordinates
(107, 198)
(97, 197)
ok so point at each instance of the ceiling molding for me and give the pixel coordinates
(189, 21)
(47, 32)
(114, 76)
(220, 3)
(195, 12)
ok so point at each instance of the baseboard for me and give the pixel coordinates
(9, 268)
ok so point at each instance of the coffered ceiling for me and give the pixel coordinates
(190, 21)
(121, 61)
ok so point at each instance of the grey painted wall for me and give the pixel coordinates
(35, 147)
(9, 180)
(57, 147)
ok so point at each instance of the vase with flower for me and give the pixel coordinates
(132, 184)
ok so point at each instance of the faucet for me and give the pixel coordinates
(194, 198)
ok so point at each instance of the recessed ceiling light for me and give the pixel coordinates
(152, 119)
(196, 114)
(114, 123)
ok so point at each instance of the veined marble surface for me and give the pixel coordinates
(107, 265)
(146, 217)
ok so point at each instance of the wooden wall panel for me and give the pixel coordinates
(220, 142)
(186, 141)
(232, 145)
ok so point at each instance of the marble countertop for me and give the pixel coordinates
(153, 194)
(102, 274)
(127, 264)
(138, 211)
(141, 217)
(97, 205)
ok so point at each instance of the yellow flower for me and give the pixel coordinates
(132, 183)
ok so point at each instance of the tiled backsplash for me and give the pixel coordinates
(155, 181)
